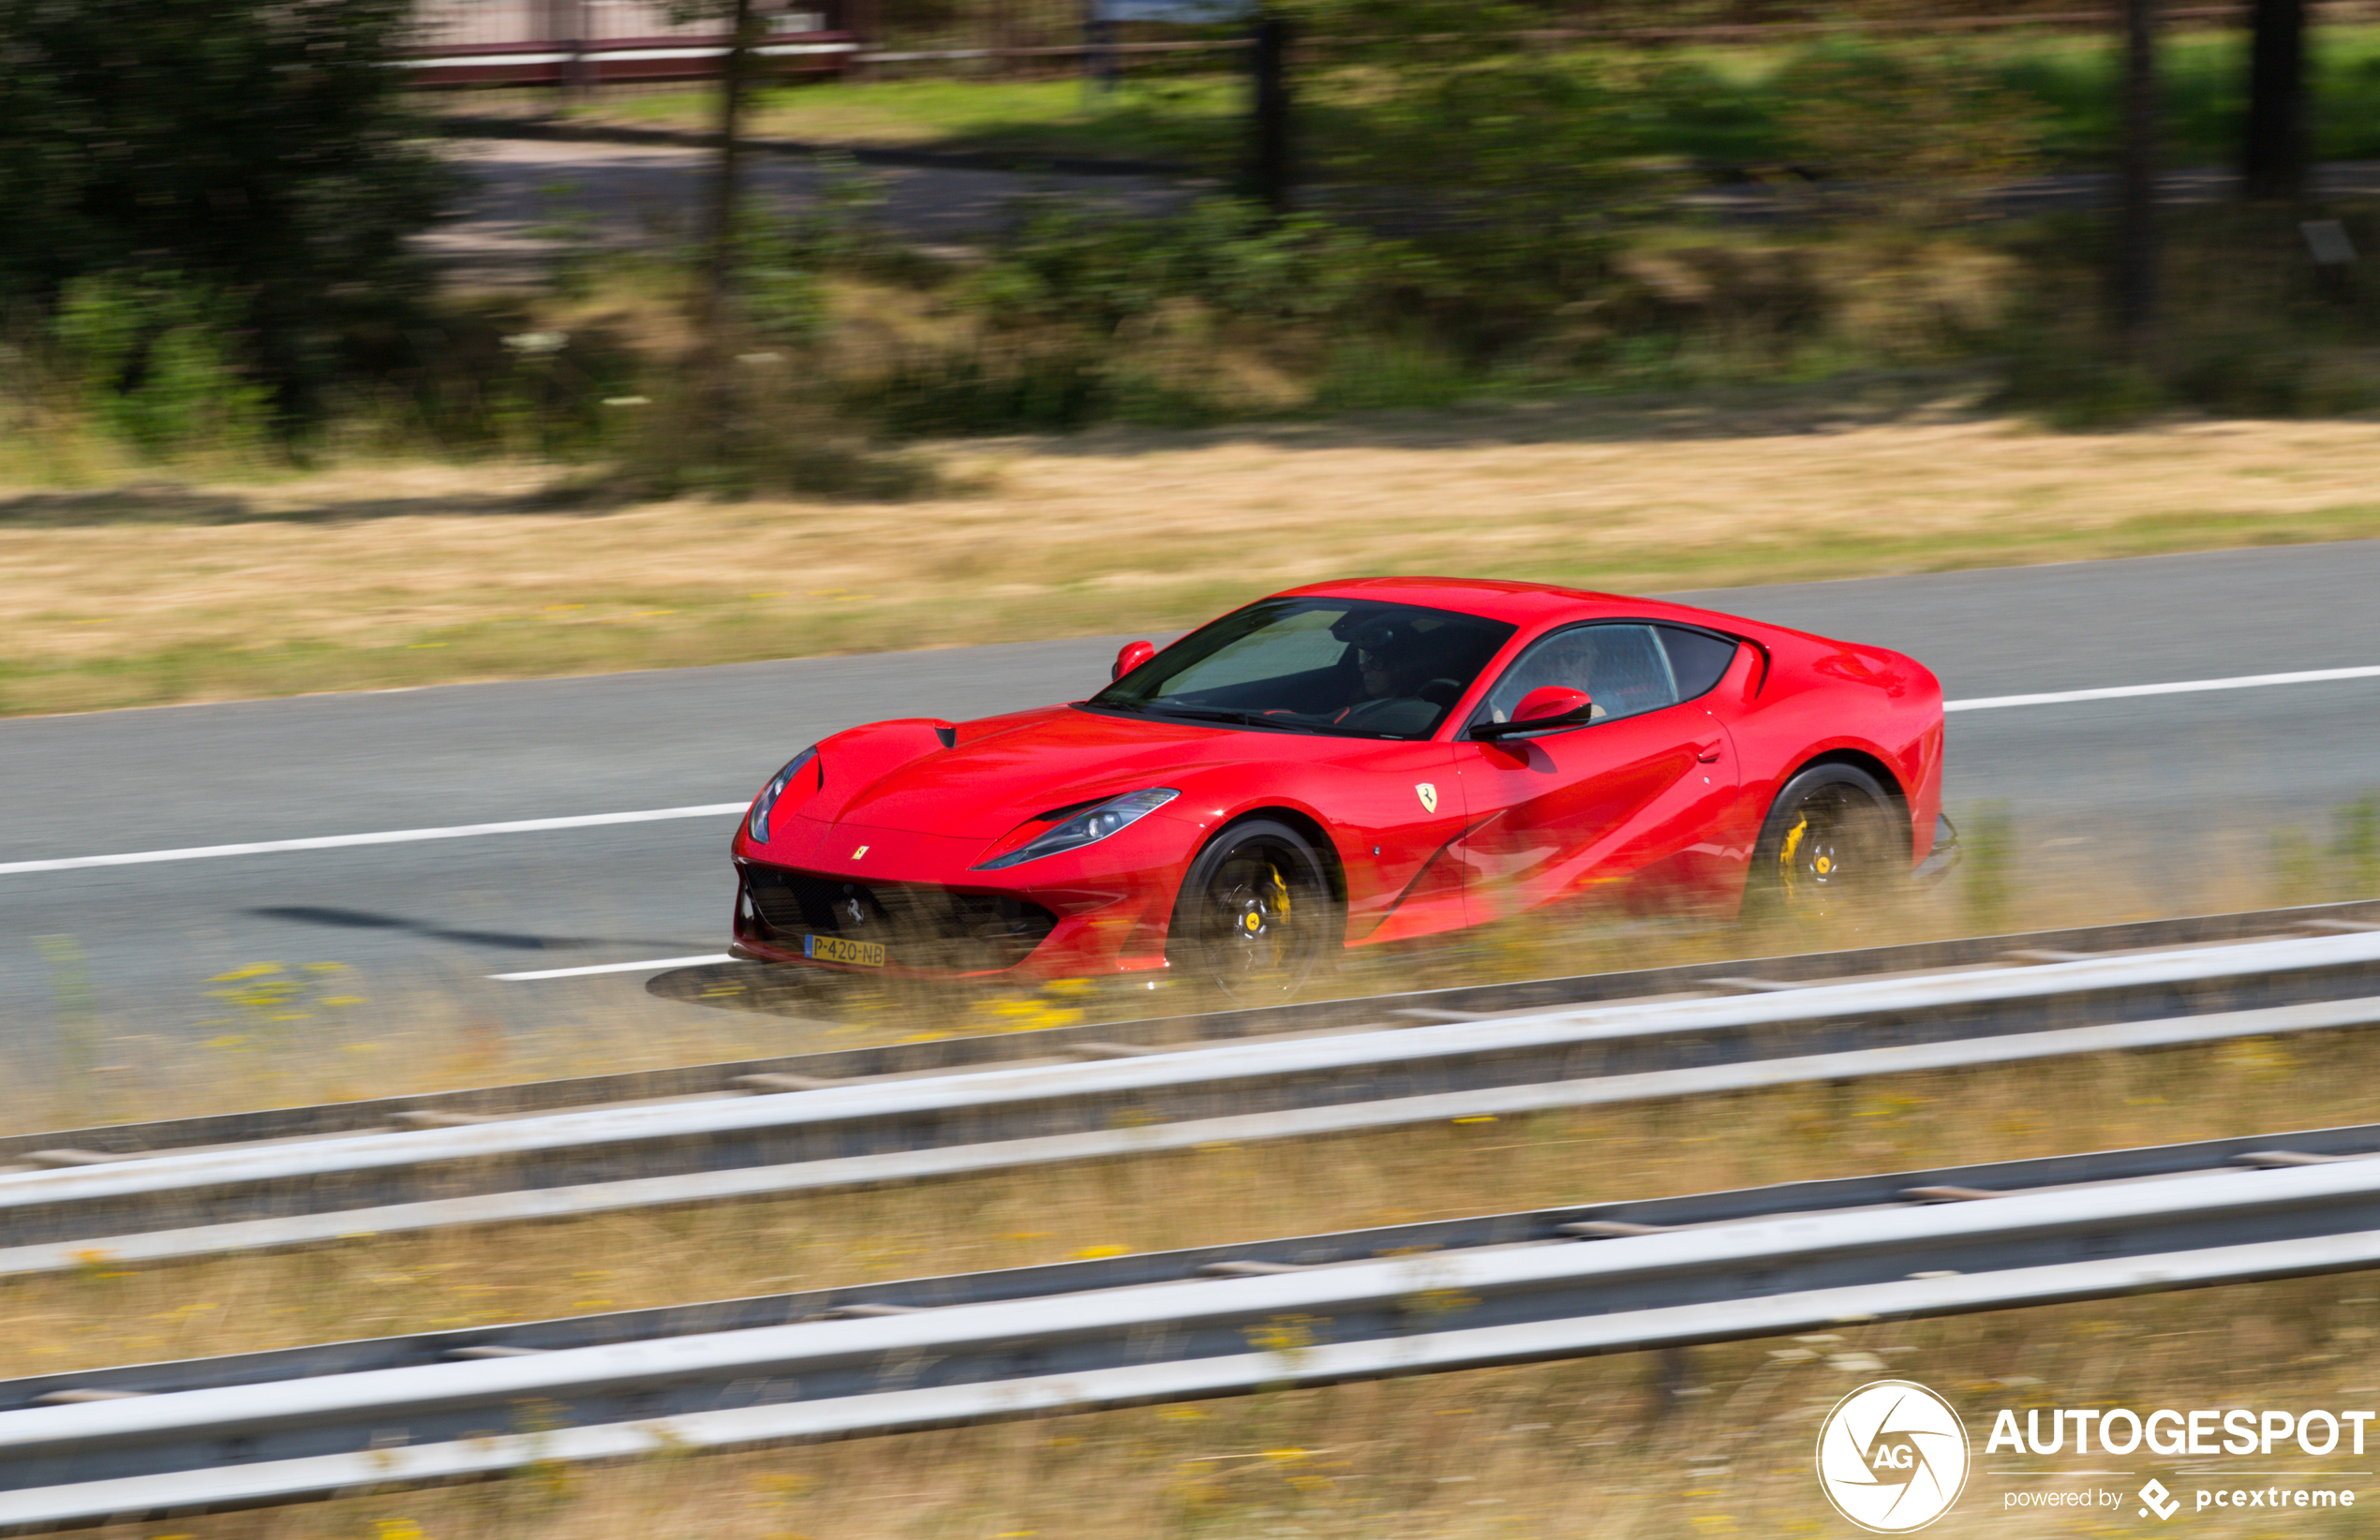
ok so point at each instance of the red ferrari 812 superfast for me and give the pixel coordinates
(1352, 764)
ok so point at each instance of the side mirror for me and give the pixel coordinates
(1544, 708)
(1132, 656)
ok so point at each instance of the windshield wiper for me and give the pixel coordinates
(1288, 722)
(1214, 714)
(1335, 730)
(1285, 722)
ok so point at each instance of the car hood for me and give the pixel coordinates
(1005, 770)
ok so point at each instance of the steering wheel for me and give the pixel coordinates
(1362, 712)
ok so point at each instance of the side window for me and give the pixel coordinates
(1621, 668)
(1698, 659)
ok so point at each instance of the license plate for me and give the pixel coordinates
(835, 948)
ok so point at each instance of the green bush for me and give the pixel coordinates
(153, 359)
(1084, 316)
(1078, 266)
(760, 424)
(985, 391)
(2249, 326)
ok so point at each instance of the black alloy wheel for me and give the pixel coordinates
(1834, 841)
(1257, 918)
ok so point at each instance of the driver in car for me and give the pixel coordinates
(1392, 665)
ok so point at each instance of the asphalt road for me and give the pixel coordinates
(2183, 779)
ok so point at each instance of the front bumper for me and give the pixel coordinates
(922, 927)
(1104, 909)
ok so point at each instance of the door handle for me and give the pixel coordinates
(1706, 753)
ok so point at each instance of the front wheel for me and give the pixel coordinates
(1256, 917)
(1834, 842)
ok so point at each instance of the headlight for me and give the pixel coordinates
(1088, 827)
(758, 824)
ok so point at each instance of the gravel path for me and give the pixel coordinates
(648, 196)
(628, 197)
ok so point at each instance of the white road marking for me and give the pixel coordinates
(387, 837)
(2182, 687)
(613, 968)
(721, 810)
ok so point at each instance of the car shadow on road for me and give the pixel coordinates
(937, 1006)
(805, 992)
(353, 919)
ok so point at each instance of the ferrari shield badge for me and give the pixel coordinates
(1429, 795)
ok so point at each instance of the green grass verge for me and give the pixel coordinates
(1189, 119)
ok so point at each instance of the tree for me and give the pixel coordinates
(2135, 277)
(715, 303)
(2272, 157)
(259, 149)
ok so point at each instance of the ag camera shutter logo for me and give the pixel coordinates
(1892, 1457)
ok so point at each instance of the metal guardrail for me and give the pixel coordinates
(957, 1053)
(1502, 1289)
(207, 1201)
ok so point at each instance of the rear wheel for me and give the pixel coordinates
(1256, 917)
(1834, 842)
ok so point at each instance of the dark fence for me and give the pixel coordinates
(582, 44)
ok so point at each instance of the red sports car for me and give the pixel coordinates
(1349, 764)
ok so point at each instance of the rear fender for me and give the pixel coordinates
(1866, 705)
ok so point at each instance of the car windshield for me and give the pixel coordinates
(1350, 666)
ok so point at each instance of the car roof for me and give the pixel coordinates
(1523, 604)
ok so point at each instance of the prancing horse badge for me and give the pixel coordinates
(1429, 795)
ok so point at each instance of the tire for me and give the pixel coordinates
(1256, 917)
(1835, 842)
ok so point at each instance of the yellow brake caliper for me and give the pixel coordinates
(1280, 890)
(1792, 845)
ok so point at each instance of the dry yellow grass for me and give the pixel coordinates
(414, 574)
